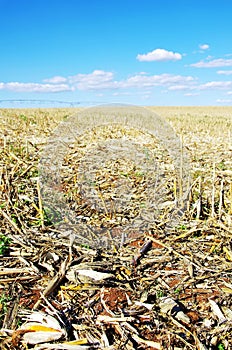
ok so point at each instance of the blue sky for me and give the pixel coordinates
(146, 52)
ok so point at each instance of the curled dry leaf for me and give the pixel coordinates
(74, 274)
(217, 311)
(170, 306)
(41, 328)
(39, 334)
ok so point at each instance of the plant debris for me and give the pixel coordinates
(167, 286)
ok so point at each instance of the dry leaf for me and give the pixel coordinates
(91, 274)
(41, 328)
(170, 306)
(150, 343)
(34, 336)
(228, 253)
(217, 311)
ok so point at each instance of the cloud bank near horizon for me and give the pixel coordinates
(101, 80)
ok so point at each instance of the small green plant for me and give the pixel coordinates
(19, 322)
(122, 173)
(221, 346)
(3, 305)
(142, 205)
(23, 117)
(182, 227)
(4, 245)
(3, 301)
(177, 290)
(222, 165)
(159, 293)
(139, 174)
(147, 153)
(86, 246)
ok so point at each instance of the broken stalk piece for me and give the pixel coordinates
(145, 248)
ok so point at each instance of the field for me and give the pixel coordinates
(149, 272)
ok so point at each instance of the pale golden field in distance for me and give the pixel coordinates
(188, 267)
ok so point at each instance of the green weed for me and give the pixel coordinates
(3, 305)
(23, 117)
(159, 293)
(4, 245)
(177, 290)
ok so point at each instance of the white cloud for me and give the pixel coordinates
(204, 46)
(34, 87)
(191, 94)
(124, 93)
(141, 81)
(220, 62)
(100, 80)
(211, 85)
(146, 96)
(216, 85)
(223, 100)
(224, 72)
(143, 73)
(180, 87)
(159, 55)
(229, 93)
(56, 80)
(96, 80)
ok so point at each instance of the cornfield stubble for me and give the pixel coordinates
(189, 265)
